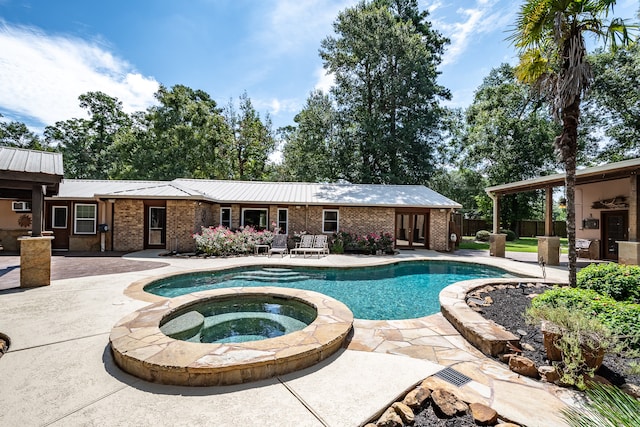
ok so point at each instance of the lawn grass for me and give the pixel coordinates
(523, 244)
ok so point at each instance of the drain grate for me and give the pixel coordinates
(452, 376)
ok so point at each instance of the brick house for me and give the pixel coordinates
(94, 215)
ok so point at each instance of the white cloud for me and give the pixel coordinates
(43, 75)
(274, 106)
(481, 19)
(292, 25)
(325, 80)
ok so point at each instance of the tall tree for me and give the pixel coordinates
(614, 101)
(508, 138)
(312, 151)
(553, 59)
(185, 136)
(88, 145)
(252, 141)
(17, 134)
(384, 57)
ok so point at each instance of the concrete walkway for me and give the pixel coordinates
(59, 369)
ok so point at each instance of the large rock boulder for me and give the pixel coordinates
(483, 415)
(447, 403)
(416, 397)
(523, 366)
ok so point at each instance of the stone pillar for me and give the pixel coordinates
(497, 244)
(549, 250)
(35, 261)
(634, 218)
(629, 253)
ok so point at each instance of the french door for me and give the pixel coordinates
(412, 229)
(614, 229)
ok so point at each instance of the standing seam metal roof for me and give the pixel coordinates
(260, 192)
(31, 161)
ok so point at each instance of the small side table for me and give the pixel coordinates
(265, 247)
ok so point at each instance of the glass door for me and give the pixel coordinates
(157, 224)
(614, 230)
(412, 230)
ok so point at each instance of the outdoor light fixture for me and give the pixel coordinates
(562, 204)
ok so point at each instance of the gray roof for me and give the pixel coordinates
(261, 192)
(31, 161)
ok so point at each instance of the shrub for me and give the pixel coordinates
(607, 405)
(511, 235)
(620, 282)
(621, 317)
(220, 241)
(482, 236)
(580, 336)
(368, 244)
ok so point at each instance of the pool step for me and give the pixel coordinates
(282, 275)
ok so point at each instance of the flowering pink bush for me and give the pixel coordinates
(220, 241)
(369, 243)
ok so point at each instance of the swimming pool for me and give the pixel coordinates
(403, 290)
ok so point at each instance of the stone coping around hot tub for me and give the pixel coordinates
(487, 336)
(141, 349)
(136, 289)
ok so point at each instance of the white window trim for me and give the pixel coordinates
(337, 211)
(75, 218)
(53, 216)
(286, 227)
(21, 206)
(254, 209)
(230, 217)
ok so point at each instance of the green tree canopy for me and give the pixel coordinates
(17, 134)
(384, 56)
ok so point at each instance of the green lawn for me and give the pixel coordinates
(523, 244)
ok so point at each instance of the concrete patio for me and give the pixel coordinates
(59, 369)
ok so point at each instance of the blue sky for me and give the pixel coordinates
(53, 51)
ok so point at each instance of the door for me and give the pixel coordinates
(155, 226)
(58, 221)
(614, 229)
(412, 230)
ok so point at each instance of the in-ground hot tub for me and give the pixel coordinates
(140, 347)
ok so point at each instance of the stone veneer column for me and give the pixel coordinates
(497, 244)
(549, 250)
(629, 252)
(35, 261)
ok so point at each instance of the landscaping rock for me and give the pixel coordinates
(523, 366)
(506, 356)
(549, 374)
(631, 390)
(527, 346)
(390, 418)
(416, 397)
(447, 403)
(404, 412)
(483, 415)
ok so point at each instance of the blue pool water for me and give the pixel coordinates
(403, 290)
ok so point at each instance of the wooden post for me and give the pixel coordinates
(548, 212)
(36, 210)
(633, 209)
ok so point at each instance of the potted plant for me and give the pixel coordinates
(575, 341)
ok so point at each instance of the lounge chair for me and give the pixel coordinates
(306, 243)
(279, 245)
(320, 245)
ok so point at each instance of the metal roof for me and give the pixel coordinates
(261, 192)
(302, 193)
(31, 161)
(92, 189)
(583, 176)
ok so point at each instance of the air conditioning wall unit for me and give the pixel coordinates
(21, 206)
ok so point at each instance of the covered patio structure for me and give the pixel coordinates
(31, 175)
(607, 219)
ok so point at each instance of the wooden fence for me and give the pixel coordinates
(525, 228)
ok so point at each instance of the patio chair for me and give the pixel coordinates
(279, 245)
(306, 243)
(320, 245)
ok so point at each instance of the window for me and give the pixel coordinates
(85, 219)
(256, 218)
(59, 215)
(225, 217)
(283, 221)
(330, 220)
(21, 206)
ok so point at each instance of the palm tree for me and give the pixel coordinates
(553, 60)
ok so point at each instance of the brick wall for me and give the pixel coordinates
(128, 225)
(183, 218)
(363, 220)
(439, 230)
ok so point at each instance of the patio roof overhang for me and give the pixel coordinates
(601, 173)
